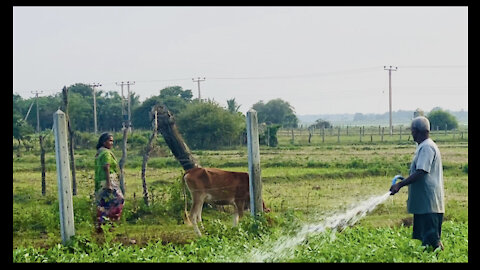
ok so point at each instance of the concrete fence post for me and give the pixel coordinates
(67, 226)
(254, 172)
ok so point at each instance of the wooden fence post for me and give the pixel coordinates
(42, 163)
(123, 160)
(71, 136)
(148, 149)
(254, 172)
(67, 228)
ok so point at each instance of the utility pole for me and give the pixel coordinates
(40, 140)
(38, 116)
(198, 82)
(390, 69)
(95, 105)
(126, 111)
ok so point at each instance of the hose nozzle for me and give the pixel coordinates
(396, 177)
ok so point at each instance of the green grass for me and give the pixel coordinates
(240, 244)
(300, 182)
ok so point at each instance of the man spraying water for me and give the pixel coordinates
(425, 186)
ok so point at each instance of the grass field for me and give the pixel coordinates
(301, 182)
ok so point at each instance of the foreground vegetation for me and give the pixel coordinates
(222, 244)
(301, 182)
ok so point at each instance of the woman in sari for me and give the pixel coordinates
(108, 195)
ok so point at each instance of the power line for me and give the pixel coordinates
(437, 66)
(163, 80)
(319, 74)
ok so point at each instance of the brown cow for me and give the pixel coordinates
(219, 187)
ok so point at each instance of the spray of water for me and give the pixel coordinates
(283, 247)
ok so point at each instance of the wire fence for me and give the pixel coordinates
(363, 134)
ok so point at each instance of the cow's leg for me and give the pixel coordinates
(235, 214)
(241, 208)
(196, 212)
(199, 217)
(239, 205)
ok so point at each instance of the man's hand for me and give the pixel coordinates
(395, 188)
(418, 174)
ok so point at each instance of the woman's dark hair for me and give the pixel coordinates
(103, 138)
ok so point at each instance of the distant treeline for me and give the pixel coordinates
(400, 117)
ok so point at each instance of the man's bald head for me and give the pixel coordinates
(421, 124)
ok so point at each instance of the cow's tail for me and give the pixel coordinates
(186, 218)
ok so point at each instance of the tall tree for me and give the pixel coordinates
(276, 111)
(173, 97)
(109, 111)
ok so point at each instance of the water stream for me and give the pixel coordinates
(283, 247)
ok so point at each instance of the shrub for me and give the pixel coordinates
(206, 125)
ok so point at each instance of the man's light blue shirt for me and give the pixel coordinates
(426, 195)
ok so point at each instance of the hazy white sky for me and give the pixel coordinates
(322, 60)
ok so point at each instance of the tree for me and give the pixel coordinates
(290, 121)
(21, 131)
(232, 105)
(276, 111)
(176, 91)
(80, 111)
(20, 106)
(109, 108)
(81, 89)
(140, 116)
(48, 105)
(359, 117)
(109, 111)
(440, 118)
(418, 112)
(173, 97)
(206, 125)
(320, 123)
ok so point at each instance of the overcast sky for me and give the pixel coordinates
(322, 60)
